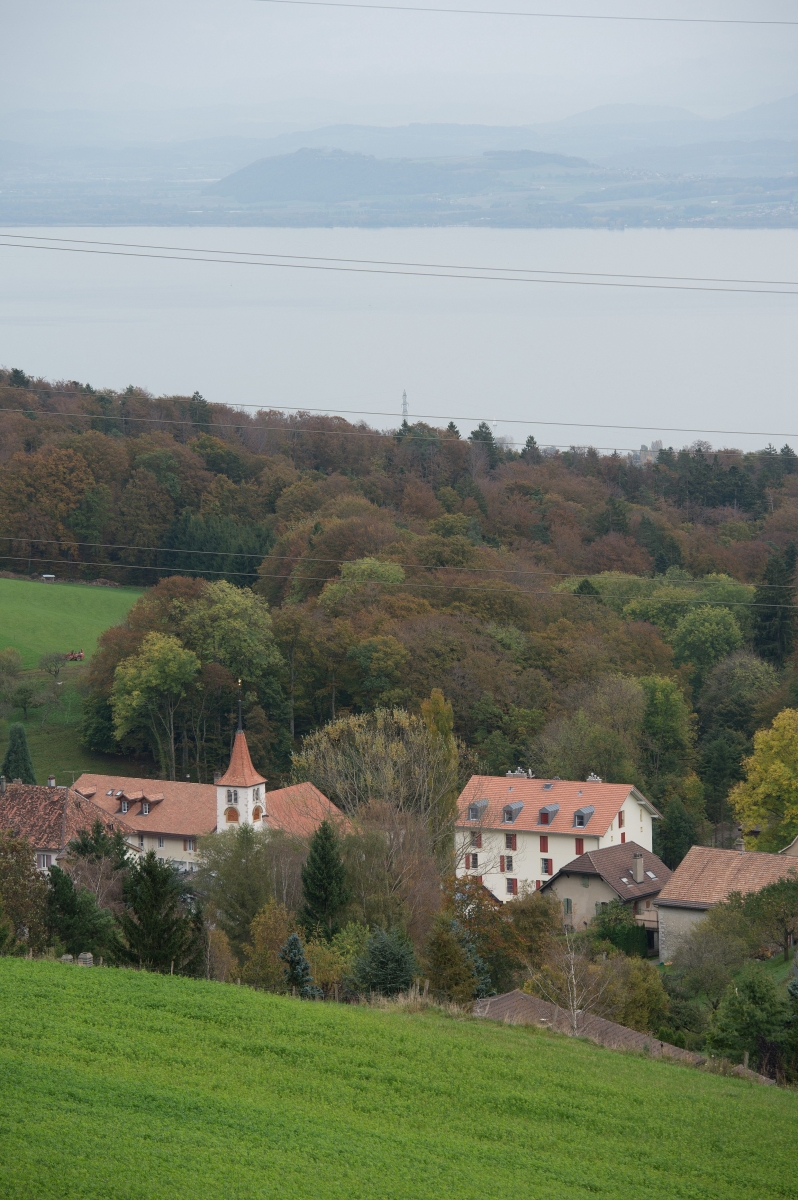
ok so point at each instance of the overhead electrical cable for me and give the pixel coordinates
(404, 272)
(387, 262)
(540, 16)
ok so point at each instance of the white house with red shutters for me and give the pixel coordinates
(515, 832)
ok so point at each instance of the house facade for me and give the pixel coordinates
(50, 817)
(626, 872)
(169, 818)
(706, 877)
(515, 832)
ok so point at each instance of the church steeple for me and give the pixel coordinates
(239, 793)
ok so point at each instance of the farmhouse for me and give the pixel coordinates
(516, 833)
(50, 817)
(627, 872)
(706, 877)
(169, 817)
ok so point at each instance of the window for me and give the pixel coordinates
(511, 841)
(257, 813)
(621, 819)
(145, 808)
(544, 843)
(548, 813)
(476, 809)
(160, 841)
(543, 819)
(229, 796)
(44, 861)
(125, 806)
(585, 881)
(188, 844)
(110, 793)
(567, 907)
(583, 815)
(476, 839)
(231, 816)
(511, 811)
(508, 862)
(601, 906)
(545, 866)
(579, 845)
(512, 887)
(256, 795)
(141, 841)
(623, 837)
(472, 862)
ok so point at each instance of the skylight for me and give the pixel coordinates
(651, 874)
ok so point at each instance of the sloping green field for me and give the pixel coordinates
(127, 1085)
(37, 617)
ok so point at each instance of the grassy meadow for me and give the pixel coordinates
(143, 1087)
(36, 618)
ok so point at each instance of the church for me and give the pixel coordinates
(169, 818)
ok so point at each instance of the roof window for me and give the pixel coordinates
(583, 815)
(476, 809)
(651, 874)
(548, 813)
(511, 811)
(547, 787)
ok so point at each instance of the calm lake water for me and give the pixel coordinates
(461, 348)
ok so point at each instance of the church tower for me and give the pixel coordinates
(240, 793)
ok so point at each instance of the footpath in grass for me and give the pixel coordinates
(38, 617)
(124, 1084)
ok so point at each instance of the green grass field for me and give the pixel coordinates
(37, 617)
(142, 1087)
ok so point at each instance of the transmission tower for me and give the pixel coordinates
(404, 404)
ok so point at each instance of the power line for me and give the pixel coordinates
(294, 431)
(421, 274)
(448, 587)
(510, 570)
(541, 16)
(387, 262)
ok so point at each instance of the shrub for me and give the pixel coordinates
(388, 964)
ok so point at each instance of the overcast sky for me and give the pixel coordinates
(273, 64)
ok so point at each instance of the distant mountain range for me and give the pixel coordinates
(618, 164)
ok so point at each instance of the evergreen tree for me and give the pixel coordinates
(531, 451)
(297, 971)
(74, 917)
(159, 926)
(451, 969)
(773, 617)
(586, 588)
(7, 939)
(17, 763)
(674, 834)
(388, 965)
(324, 887)
(750, 1013)
(97, 844)
(483, 436)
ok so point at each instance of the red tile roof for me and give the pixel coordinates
(614, 864)
(534, 794)
(300, 809)
(707, 876)
(49, 818)
(241, 772)
(181, 809)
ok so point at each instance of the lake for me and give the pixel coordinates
(462, 348)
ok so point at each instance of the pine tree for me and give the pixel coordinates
(74, 917)
(675, 834)
(324, 887)
(774, 619)
(17, 763)
(297, 971)
(586, 588)
(451, 969)
(483, 436)
(388, 965)
(161, 930)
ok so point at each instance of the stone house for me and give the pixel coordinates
(50, 817)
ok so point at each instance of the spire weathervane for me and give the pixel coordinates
(240, 721)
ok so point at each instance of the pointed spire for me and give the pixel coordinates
(240, 719)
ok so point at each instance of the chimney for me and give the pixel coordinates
(637, 867)
(2, 785)
(51, 780)
(740, 845)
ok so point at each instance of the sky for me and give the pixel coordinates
(169, 68)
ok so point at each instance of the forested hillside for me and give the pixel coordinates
(580, 612)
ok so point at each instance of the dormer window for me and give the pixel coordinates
(548, 813)
(511, 811)
(583, 815)
(124, 806)
(476, 809)
(145, 808)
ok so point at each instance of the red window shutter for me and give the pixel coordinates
(478, 841)
(544, 818)
(515, 887)
(514, 841)
(579, 845)
(537, 885)
(185, 844)
(544, 844)
(621, 819)
(479, 879)
(501, 862)
(623, 837)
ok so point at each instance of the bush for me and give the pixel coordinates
(751, 1012)
(297, 973)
